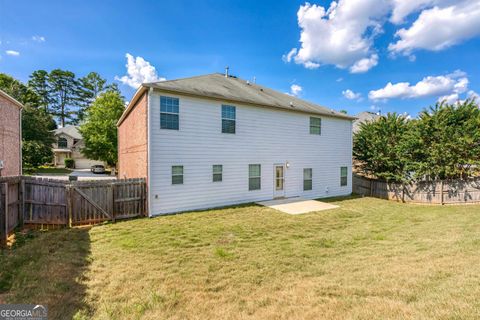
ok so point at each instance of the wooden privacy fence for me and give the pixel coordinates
(432, 192)
(41, 201)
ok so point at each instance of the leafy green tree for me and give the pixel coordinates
(39, 84)
(18, 91)
(378, 147)
(37, 137)
(100, 130)
(64, 88)
(90, 88)
(445, 141)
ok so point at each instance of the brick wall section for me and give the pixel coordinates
(132, 142)
(9, 137)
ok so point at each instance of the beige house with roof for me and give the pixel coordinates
(69, 144)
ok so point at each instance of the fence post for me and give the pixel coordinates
(371, 187)
(442, 202)
(21, 199)
(68, 194)
(112, 187)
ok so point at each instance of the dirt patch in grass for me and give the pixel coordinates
(368, 259)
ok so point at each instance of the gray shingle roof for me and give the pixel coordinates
(363, 117)
(72, 131)
(218, 86)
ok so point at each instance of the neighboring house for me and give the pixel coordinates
(10, 135)
(217, 140)
(69, 144)
(364, 117)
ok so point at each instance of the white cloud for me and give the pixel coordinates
(138, 71)
(295, 90)
(350, 95)
(403, 8)
(12, 53)
(456, 82)
(38, 38)
(365, 64)
(450, 99)
(341, 35)
(438, 28)
(288, 57)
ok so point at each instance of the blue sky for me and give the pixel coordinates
(347, 46)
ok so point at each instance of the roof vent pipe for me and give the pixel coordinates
(226, 71)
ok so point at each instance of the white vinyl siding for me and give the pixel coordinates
(264, 136)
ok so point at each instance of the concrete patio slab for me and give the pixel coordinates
(297, 205)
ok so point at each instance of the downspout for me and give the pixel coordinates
(149, 153)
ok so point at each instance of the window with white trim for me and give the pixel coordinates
(307, 179)
(228, 119)
(343, 176)
(315, 125)
(254, 177)
(169, 113)
(217, 170)
(177, 174)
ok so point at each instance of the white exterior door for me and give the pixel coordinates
(278, 180)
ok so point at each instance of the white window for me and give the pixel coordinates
(217, 172)
(307, 179)
(169, 113)
(254, 176)
(343, 176)
(177, 174)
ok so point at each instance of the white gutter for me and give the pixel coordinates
(149, 153)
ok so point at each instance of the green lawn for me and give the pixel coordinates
(368, 259)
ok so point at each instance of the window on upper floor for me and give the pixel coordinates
(169, 113)
(343, 176)
(228, 119)
(315, 125)
(217, 172)
(254, 176)
(177, 174)
(62, 143)
(307, 179)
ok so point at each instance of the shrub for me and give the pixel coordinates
(69, 163)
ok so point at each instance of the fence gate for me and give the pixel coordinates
(90, 202)
(45, 202)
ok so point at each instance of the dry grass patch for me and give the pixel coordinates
(369, 259)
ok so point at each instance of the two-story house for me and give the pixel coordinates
(68, 144)
(10, 135)
(217, 140)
